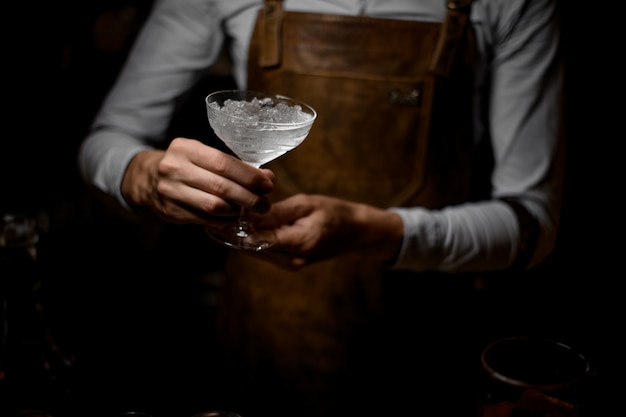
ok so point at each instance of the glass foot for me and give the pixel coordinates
(253, 240)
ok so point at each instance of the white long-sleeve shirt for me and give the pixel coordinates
(519, 87)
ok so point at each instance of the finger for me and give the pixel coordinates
(269, 173)
(232, 168)
(231, 191)
(210, 193)
(285, 212)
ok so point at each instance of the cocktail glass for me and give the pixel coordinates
(258, 127)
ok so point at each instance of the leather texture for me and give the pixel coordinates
(394, 102)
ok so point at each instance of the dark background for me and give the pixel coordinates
(60, 58)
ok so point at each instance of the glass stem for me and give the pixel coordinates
(243, 226)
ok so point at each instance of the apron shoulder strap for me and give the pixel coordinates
(271, 17)
(452, 31)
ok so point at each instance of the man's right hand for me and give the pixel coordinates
(191, 182)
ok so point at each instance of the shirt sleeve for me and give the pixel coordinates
(178, 42)
(522, 91)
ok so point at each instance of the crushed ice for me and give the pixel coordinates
(263, 110)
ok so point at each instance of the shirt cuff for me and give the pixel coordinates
(103, 159)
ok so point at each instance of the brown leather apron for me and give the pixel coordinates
(394, 102)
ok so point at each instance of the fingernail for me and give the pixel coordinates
(267, 186)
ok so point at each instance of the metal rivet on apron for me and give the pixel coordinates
(456, 4)
(410, 98)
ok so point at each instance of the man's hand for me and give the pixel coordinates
(312, 228)
(193, 183)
